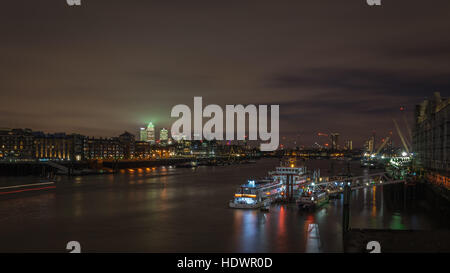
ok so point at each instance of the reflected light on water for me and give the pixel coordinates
(164, 194)
(396, 221)
(313, 243)
(281, 222)
(249, 229)
(374, 201)
(186, 210)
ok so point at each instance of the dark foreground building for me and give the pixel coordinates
(431, 140)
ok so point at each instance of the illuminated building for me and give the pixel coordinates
(122, 147)
(164, 135)
(16, 144)
(151, 133)
(143, 150)
(183, 147)
(103, 148)
(349, 145)
(58, 146)
(369, 146)
(142, 134)
(431, 139)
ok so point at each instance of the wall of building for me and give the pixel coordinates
(431, 139)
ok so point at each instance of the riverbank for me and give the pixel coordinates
(49, 169)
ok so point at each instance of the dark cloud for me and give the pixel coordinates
(110, 66)
(438, 51)
(354, 81)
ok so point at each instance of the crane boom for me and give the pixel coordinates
(382, 145)
(401, 136)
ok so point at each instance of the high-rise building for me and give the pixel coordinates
(151, 133)
(142, 134)
(163, 135)
(349, 145)
(334, 141)
(369, 145)
(374, 140)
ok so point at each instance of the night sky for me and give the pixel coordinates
(110, 66)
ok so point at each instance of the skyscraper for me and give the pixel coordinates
(151, 133)
(163, 135)
(370, 145)
(142, 134)
(334, 141)
(349, 145)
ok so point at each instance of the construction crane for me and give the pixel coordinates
(382, 145)
(325, 135)
(404, 142)
(332, 137)
(320, 146)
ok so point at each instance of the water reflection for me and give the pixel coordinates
(396, 221)
(169, 209)
(313, 243)
(246, 227)
(374, 201)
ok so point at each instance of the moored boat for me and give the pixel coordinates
(288, 170)
(312, 200)
(256, 194)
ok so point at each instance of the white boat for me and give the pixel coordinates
(290, 169)
(256, 194)
(312, 200)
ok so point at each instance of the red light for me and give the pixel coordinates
(34, 189)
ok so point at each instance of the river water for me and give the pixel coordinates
(169, 209)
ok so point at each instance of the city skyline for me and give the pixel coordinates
(103, 78)
(341, 144)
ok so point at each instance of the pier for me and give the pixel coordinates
(336, 185)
